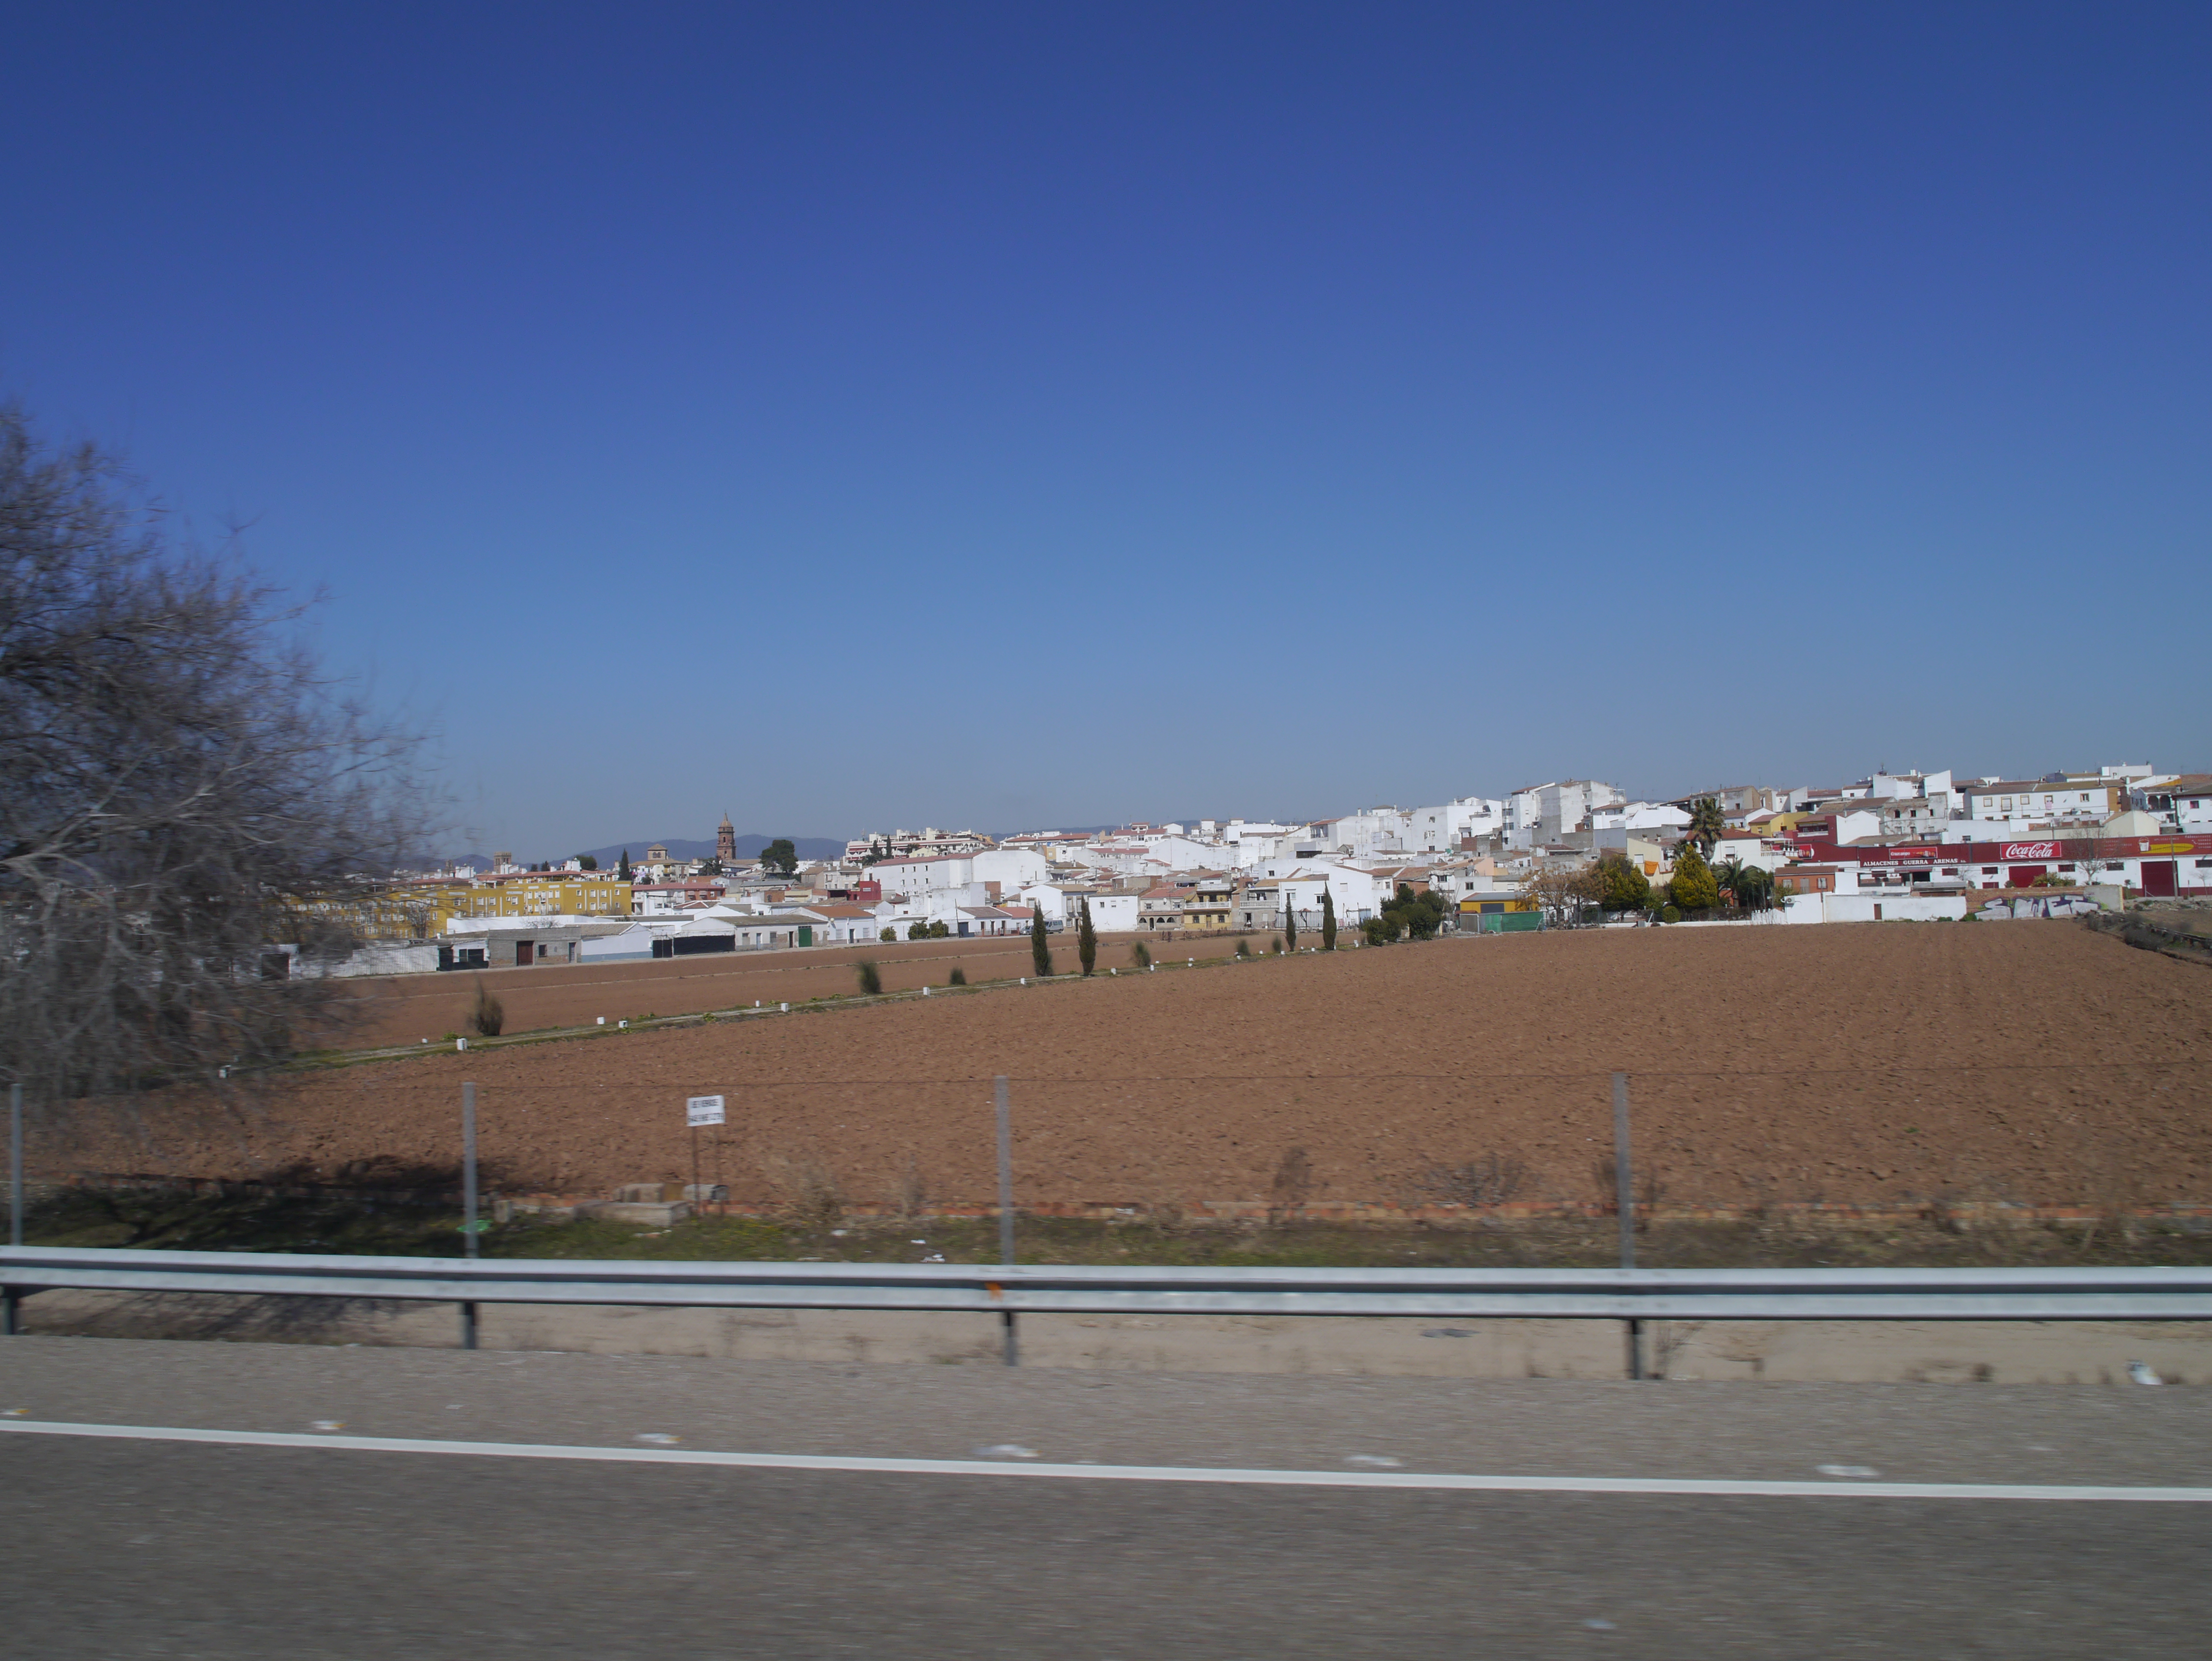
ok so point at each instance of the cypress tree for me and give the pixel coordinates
(1328, 921)
(1040, 947)
(1290, 920)
(1086, 939)
(623, 870)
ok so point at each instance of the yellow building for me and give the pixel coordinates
(536, 894)
(1498, 914)
(424, 911)
(1206, 904)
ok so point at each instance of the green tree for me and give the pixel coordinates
(1040, 942)
(917, 931)
(888, 934)
(1328, 921)
(623, 870)
(1625, 888)
(1706, 824)
(1086, 939)
(588, 861)
(872, 981)
(1694, 888)
(780, 856)
(1290, 920)
(1140, 955)
(938, 931)
(1419, 916)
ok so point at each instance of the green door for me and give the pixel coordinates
(807, 934)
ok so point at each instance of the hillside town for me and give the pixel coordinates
(1891, 847)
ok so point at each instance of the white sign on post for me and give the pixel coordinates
(703, 1109)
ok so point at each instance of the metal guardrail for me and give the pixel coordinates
(1633, 1294)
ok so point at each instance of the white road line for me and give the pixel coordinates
(1721, 1487)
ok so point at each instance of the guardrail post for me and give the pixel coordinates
(1011, 1337)
(1623, 1202)
(11, 1306)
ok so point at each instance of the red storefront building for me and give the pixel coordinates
(2154, 866)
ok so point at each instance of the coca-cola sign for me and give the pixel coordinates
(2031, 850)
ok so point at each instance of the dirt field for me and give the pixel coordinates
(405, 1008)
(1876, 1064)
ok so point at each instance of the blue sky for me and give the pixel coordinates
(1016, 415)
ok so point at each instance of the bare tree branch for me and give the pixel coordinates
(180, 788)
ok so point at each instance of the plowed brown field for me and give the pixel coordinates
(1876, 1064)
(405, 1008)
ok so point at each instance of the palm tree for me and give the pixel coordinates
(1729, 873)
(1706, 823)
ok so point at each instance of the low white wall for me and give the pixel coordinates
(1893, 907)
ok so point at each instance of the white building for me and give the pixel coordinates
(1638, 816)
(1440, 830)
(1540, 812)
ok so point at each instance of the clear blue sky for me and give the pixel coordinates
(1018, 414)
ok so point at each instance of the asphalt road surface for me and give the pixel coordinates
(127, 1548)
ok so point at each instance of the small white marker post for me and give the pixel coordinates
(700, 1110)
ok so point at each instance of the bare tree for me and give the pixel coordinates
(181, 789)
(1564, 892)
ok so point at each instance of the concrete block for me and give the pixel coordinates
(635, 1211)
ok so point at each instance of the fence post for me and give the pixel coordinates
(1011, 1335)
(11, 1298)
(14, 1165)
(469, 1202)
(1623, 1200)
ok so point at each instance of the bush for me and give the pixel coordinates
(872, 982)
(957, 977)
(488, 1017)
(1140, 955)
(917, 931)
(888, 936)
(1276, 946)
(938, 931)
(1243, 950)
(1670, 913)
